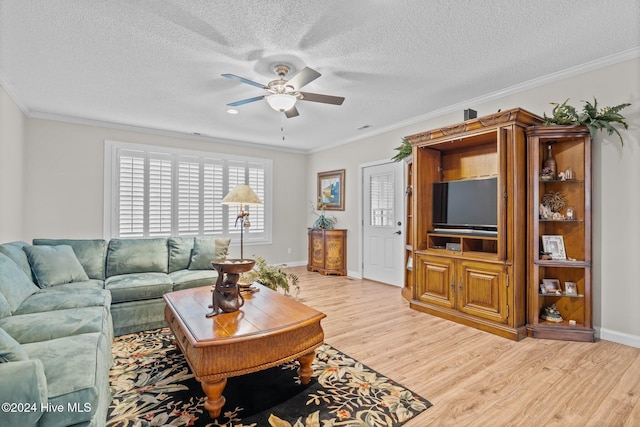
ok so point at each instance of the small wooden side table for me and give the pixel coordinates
(328, 251)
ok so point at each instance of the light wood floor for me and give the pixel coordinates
(474, 378)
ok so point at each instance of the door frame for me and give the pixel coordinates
(361, 212)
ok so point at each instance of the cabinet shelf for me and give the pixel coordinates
(562, 263)
(563, 294)
(567, 181)
(563, 324)
(561, 220)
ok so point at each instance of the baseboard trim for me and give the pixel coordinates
(618, 337)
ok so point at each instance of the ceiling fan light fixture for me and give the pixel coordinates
(281, 101)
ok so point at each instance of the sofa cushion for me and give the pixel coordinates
(14, 284)
(85, 284)
(126, 256)
(14, 251)
(10, 349)
(51, 299)
(136, 287)
(55, 265)
(34, 327)
(207, 249)
(5, 310)
(179, 252)
(186, 279)
(77, 373)
(90, 252)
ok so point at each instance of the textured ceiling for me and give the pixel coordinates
(157, 64)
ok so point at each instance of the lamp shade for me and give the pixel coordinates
(241, 195)
(281, 101)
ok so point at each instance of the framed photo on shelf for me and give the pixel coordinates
(331, 190)
(550, 286)
(554, 246)
(570, 288)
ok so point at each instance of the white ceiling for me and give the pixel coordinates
(157, 64)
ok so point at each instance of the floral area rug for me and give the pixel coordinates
(152, 385)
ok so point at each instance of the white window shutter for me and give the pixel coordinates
(213, 193)
(188, 196)
(160, 194)
(131, 193)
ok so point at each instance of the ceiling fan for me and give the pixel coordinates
(283, 94)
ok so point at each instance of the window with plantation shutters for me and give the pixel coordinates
(159, 192)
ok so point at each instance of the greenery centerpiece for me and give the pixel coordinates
(323, 221)
(595, 119)
(404, 150)
(272, 276)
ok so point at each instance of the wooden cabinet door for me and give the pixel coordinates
(482, 290)
(435, 280)
(316, 246)
(334, 250)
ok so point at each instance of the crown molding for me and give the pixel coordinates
(520, 87)
(537, 82)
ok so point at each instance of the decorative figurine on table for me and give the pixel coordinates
(226, 292)
(551, 314)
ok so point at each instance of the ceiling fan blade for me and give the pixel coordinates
(303, 78)
(243, 80)
(291, 112)
(246, 101)
(325, 99)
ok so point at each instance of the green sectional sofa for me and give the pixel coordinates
(61, 303)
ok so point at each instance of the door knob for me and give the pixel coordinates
(398, 232)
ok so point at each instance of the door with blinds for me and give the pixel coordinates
(383, 216)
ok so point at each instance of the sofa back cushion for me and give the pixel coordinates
(126, 256)
(10, 349)
(207, 249)
(179, 253)
(14, 251)
(14, 284)
(5, 310)
(90, 252)
(55, 265)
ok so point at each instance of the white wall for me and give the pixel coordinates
(12, 124)
(65, 174)
(616, 186)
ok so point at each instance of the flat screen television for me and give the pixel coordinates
(469, 204)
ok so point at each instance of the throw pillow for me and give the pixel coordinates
(10, 349)
(55, 265)
(14, 251)
(207, 249)
(14, 284)
(179, 253)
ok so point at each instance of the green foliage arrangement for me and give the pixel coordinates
(404, 150)
(272, 276)
(595, 119)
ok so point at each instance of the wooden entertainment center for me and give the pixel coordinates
(481, 276)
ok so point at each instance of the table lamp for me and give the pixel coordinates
(242, 195)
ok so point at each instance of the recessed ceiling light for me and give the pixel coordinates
(232, 111)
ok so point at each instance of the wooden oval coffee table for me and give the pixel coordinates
(268, 330)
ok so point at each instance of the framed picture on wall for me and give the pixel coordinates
(331, 190)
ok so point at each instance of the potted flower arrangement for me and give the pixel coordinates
(323, 221)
